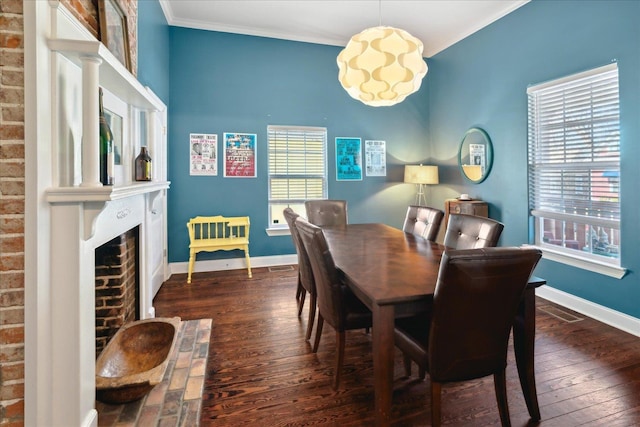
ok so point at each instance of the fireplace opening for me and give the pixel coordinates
(117, 290)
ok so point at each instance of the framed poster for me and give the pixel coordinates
(348, 159)
(240, 155)
(114, 33)
(203, 154)
(375, 154)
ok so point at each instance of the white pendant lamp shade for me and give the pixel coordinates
(381, 66)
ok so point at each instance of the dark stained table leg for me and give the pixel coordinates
(383, 352)
(524, 331)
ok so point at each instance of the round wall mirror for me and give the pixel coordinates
(475, 156)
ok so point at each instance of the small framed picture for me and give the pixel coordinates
(114, 32)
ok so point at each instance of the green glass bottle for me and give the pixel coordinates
(107, 159)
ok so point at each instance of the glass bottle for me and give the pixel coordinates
(143, 165)
(107, 159)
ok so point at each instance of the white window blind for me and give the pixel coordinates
(574, 162)
(297, 168)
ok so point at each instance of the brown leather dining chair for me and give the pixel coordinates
(306, 283)
(466, 334)
(472, 232)
(326, 212)
(336, 303)
(423, 221)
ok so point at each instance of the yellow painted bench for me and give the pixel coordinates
(215, 233)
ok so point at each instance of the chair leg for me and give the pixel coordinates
(407, 365)
(500, 384)
(318, 333)
(246, 255)
(298, 289)
(339, 358)
(436, 403)
(312, 315)
(303, 294)
(192, 260)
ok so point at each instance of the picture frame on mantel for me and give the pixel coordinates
(114, 31)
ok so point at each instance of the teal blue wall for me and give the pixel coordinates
(231, 83)
(153, 48)
(224, 82)
(482, 81)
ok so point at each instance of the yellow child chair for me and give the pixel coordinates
(214, 233)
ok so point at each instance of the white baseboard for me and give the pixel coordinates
(233, 263)
(598, 312)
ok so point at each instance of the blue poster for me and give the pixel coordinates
(348, 159)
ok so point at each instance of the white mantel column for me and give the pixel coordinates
(90, 122)
(72, 318)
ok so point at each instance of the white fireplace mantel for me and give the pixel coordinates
(69, 213)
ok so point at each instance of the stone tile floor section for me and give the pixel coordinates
(177, 400)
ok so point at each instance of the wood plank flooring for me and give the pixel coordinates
(261, 371)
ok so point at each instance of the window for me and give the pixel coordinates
(297, 169)
(574, 165)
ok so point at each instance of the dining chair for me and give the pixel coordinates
(306, 283)
(326, 212)
(423, 221)
(472, 232)
(466, 334)
(336, 303)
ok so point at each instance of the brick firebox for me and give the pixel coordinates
(116, 286)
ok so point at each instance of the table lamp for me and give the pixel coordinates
(421, 175)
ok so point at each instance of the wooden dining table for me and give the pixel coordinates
(394, 274)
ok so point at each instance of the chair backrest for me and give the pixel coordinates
(423, 221)
(304, 265)
(472, 232)
(328, 283)
(212, 228)
(326, 212)
(474, 306)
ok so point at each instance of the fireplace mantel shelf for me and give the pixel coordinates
(113, 74)
(102, 194)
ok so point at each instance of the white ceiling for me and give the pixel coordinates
(438, 23)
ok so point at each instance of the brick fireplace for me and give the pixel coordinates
(117, 289)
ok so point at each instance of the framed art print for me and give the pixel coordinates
(348, 159)
(375, 158)
(240, 155)
(114, 32)
(203, 154)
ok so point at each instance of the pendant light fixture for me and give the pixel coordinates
(382, 65)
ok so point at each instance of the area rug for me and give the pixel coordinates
(177, 400)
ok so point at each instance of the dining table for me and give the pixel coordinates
(394, 274)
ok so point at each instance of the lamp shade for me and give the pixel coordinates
(419, 174)
(381, 66)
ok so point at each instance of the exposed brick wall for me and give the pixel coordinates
(116, 286)
(12, 190)
(11, 213)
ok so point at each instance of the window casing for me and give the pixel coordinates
(297, 169)
(574, 165)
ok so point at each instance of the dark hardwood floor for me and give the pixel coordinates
(261, 371)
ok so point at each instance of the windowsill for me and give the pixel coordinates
(583, 263)
(278, 232)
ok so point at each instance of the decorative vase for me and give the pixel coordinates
(107, 159)
(143, 165)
